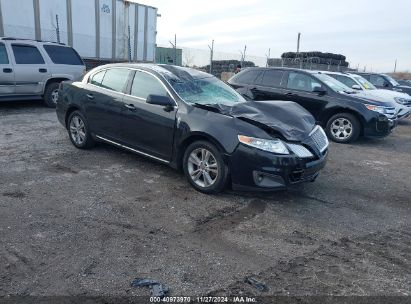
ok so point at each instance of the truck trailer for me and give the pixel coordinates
(100, 30)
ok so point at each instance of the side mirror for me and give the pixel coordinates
(386, 84)
(160, 100)
(319, 90)
(356, 87)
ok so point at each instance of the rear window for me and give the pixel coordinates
(3, 54)
(115, 79)
(247, 77)
(63, 55)
(27, 54)
(272, 78)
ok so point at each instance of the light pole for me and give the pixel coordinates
(211, 55)
(175, 48)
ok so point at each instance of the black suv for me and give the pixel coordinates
(383, 81)
(336, 107)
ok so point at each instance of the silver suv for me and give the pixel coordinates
(32, 69)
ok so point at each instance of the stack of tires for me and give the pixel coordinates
(317, 57)
(220, 66)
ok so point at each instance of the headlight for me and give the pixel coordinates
(270, 145)
(379, 109)
(401, 100)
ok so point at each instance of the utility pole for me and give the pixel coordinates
(395, 66)
(298, 43)
(57, 29)
(243, 56)
(268, 57)
(211, 55)
(175, 48)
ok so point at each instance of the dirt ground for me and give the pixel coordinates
(79, 222)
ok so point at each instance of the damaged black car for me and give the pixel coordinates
(193, 121)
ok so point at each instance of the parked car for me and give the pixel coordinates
(368, 90)
(32, 69)
(192, 120)
(404, 82)
(344, 115)
(383, 81)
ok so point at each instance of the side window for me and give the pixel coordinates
(377, 80)
(247, 77)
(301, 82)
(97, 78)
(115, 79)
(27, 54)
(346, 80)
(272, 78)
(145, 84)
(63, 55)
(4, 59)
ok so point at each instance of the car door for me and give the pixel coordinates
(103, 102)
(7, 85)
(30, 69)
(299, 88)
(268, 86)
(146, 127)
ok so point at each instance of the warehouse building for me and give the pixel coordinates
(102, 30)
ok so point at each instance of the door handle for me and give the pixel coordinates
(43, 70)
(130, 106)
(90, 96)
(290, 94)
(7, 70)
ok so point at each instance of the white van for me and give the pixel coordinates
(31, 69)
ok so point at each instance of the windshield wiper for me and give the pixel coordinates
(208, 106)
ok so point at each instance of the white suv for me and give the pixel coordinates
(32, 69)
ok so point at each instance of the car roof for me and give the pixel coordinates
(32, 41)
(165, 70)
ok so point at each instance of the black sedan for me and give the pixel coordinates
(343, 113)
(191, 120)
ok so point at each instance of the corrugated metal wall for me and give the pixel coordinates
(103, 29)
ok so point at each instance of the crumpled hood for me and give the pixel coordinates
(285, 117)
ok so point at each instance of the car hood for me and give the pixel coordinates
(375, 98)
(287, 118)
(390, 93)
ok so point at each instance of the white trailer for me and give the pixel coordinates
(112, 30)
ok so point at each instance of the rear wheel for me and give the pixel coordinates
(204, 167)
(343, 128)
(51, 94)
(79, 131)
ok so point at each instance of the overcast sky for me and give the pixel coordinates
(370, 33)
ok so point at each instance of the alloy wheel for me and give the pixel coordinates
(341, 128)
(203, 167)
(77, 130)
(55, 96)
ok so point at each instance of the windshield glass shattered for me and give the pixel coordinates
(208, 90)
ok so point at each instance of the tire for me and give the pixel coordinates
(51, 94)
(205, 167)
(343, 128)
(79, 131)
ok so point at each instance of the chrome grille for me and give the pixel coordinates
(390, 111)
(319, 138)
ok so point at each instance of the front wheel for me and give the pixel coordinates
(343, 128)
(204, 167)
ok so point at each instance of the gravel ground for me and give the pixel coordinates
(79, 222)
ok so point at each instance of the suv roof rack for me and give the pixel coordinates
(26, 39)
